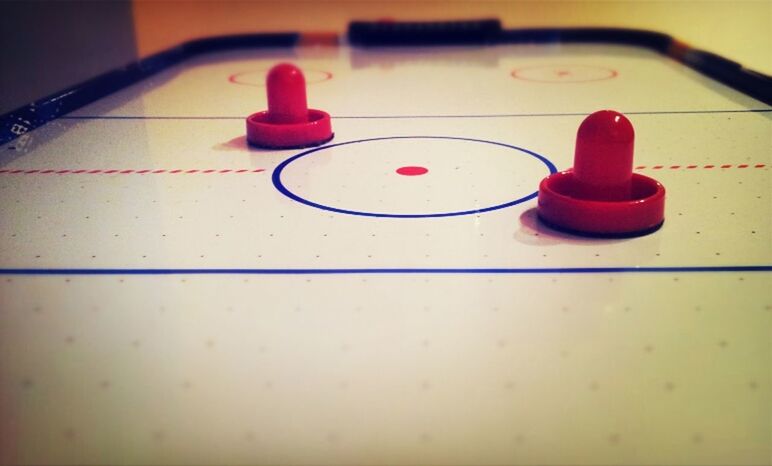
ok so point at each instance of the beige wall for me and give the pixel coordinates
(741, 30)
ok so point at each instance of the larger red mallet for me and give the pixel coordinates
(288, 123)
(600, 195)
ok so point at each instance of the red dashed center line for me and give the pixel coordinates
(66, 171)
(692, 167)
(176, 171)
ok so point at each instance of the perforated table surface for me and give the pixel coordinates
(170, 295)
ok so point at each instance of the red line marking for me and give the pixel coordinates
(692, 167)
(259, 80)
(128, 171)
(517, 73)
(97, 171)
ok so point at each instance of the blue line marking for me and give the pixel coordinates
(387, 117)
(391, 271)
(276, 178)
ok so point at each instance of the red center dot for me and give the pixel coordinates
(412, 171)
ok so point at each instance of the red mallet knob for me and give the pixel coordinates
(288, 123)
(600, 195)
(603, 159)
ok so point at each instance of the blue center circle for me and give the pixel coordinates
(277, 182)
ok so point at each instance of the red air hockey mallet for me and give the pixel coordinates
(600, 195)
(288, 123)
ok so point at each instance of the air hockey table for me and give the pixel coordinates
(171, 295)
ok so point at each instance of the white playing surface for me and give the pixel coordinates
(502, 353)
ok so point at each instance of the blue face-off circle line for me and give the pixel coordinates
(276, 179)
